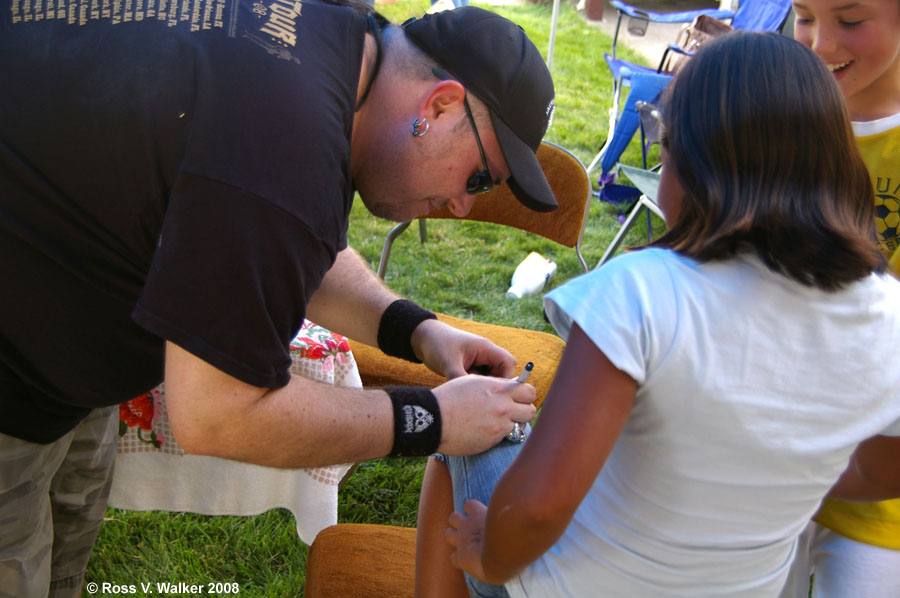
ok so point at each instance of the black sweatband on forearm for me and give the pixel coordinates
(417, 421)
(396, 327)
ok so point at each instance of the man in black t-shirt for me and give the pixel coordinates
(175, 185)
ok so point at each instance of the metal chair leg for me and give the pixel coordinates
(388, 242)
(643, 203)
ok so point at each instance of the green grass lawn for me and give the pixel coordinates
(462, 270)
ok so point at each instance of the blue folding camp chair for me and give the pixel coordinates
(646, 87)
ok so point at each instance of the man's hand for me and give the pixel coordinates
(452, 352)
(477, 412)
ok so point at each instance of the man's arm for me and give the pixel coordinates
(307, 423)
(873, 472)
(213, 413)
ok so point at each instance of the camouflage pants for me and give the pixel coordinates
(52, 501)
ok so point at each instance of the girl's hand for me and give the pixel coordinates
(466, 536)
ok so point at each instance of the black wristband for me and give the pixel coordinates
(396, 327)
(417, 421)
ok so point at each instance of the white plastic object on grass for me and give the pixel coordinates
(531, 275)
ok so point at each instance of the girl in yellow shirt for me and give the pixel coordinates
(855, 547)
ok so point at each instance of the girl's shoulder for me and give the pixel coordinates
(649, 272)
(633, 273)
(650, 257)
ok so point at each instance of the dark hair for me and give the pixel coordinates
(760, 140)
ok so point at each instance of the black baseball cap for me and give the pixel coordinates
(492, 56)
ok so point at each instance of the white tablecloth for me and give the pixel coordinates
(154, 473)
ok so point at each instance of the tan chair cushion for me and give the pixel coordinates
(545, 350)
(356, 560)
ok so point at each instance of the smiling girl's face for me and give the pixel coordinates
(859, 40)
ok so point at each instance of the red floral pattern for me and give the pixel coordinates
(140, 413)
(320, 344)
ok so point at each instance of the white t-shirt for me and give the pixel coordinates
(753, 392)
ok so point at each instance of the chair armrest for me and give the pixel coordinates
(664, 67)
(685, 16)
(631, 11)
(678, 50)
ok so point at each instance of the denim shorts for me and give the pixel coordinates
(475, 477)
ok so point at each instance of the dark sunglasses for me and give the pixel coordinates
(480, 182)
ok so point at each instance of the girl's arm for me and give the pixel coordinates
(873, 472)
(585, 411)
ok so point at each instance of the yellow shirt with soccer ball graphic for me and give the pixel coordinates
(876, 523)
(879, 143)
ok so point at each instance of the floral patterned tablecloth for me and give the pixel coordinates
(154, 473)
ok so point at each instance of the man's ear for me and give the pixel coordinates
(446, 97)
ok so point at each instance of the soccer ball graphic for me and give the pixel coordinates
(887, 216)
